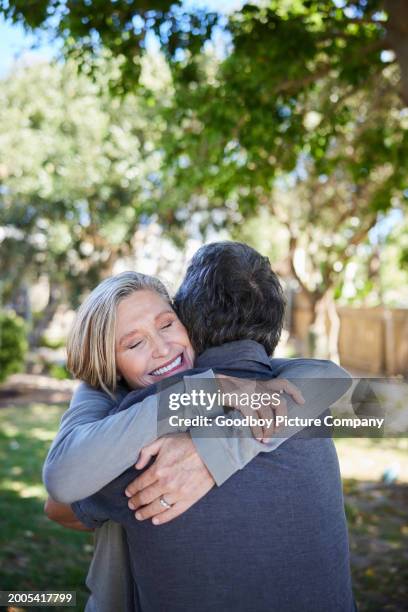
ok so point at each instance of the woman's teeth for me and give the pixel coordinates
(171, 366)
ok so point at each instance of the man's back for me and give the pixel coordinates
(272, 537)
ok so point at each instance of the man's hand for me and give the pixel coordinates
(178, 475)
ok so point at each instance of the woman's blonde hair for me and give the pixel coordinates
(91, 341)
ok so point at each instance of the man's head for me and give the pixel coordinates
(230, 292)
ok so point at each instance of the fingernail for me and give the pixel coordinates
(128, 494)
(138, 516)
(155, 521)
(131, 505)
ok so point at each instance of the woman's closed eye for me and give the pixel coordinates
(166, 325)
(135, 344)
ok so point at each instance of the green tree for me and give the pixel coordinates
(289, 65)
(307, 38)
(307, 95)
(79, 171)
(324, 151)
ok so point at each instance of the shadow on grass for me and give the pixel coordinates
(35, 553)
(378, 530)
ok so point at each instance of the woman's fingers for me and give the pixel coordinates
(268, 414)
(148, 452)
(172, 513)
(281, 410)
(148, 495)
(290, 389)
(178, 473)
(141, 482)
(257, 430)
(155, 508)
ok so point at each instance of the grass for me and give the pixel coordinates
(37, 554)
(377, 516)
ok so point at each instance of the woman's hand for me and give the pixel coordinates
(262, 399)
(178, 476)
(64, 515)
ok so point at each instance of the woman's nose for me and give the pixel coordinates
(161, 347)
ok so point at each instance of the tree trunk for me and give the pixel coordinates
(397, 36)
(334, 328)
(54, 300)
(318, 330)
(325, 328)
(310, 347)
(21, 304)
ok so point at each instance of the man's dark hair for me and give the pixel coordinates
(230, 292)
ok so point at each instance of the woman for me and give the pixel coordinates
(125, 333)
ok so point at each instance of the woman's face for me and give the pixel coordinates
(151, 343)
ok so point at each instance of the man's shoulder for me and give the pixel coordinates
(304, 367)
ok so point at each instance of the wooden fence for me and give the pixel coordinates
(371, 340)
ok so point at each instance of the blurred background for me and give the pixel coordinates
(130, 134)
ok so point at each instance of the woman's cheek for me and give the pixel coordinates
(138, 369)
(128, 368)
(190, 355)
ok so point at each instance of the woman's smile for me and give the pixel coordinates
(169, 366)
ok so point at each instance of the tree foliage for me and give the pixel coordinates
(287, 86)
(299, 108)
(79, 172)
(287, 90)
(13, 344)
(302, 34)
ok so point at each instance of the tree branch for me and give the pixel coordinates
(294, 84)
(397, 36)
(323, 69)
(364, 20)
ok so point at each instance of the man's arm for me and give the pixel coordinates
(92, 448)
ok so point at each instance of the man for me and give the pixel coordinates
(274, 535)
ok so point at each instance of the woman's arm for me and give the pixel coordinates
(321, 383)
(64, 515)
(179, 470)
(92, 447)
